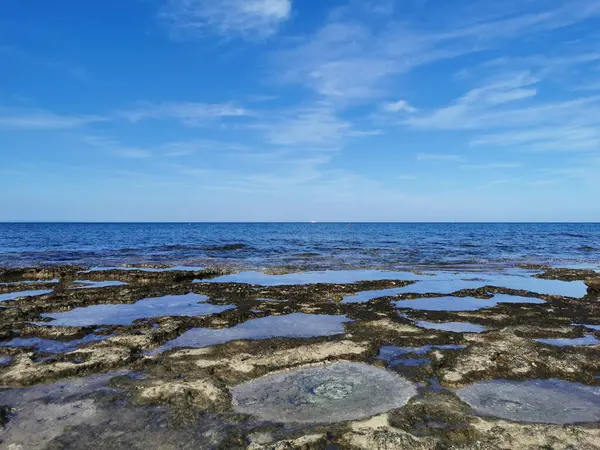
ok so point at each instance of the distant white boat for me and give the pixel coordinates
(313, 221)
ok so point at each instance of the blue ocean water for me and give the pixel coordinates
(318, 246)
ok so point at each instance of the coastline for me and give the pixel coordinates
(153, 351)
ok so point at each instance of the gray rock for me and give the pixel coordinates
(535, 401)
(332, 393)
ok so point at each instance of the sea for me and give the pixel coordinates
(315, 246)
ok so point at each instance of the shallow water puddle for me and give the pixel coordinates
(462, 303)
(400, 356)
(44, 412)
(97, 284)
(52, 346)
(333, 276)
(433, 282)
(447, 283)
(455, 327)
(591, 327)
(535, 401)
(297, 325)
(333, 393)
(5, 361)
(15, 295)
(410, 362)
(124, 314)
(538, 285)
(588, 339)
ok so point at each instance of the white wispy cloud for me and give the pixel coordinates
(312, 126)
(438, 157)
(400, 105)
(350, 61)
(544, 182)
(315, 126)
(499, 182)
(548, 16)
(37, 119)
(188, 113)
(491, 166)
(548, 136)
(115, 147)
(477, 108)
(245, 18)
(174, 149)
(509, 113)
(591, 86)
(406, 177)
(72, 70)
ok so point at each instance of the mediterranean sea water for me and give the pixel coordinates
(309, 245)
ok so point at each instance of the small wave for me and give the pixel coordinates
(575, 235)
(226, 247)
(175, 247)
(587, 248)
(128, 250)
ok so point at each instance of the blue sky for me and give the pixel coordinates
(285, 110)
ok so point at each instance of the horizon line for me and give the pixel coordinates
(286, 222)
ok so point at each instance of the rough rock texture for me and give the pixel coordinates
(502, 354)
(593, 285)
(180, 399)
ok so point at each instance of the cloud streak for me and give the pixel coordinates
(491, 166)
(250, 19)
(438, 157)
(399, 106)
(188, 113)
(349, 61)
(37, 119)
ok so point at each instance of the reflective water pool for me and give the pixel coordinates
(462, 303)
(390, 352)
(297, 325)
(440, 282)
(588, 339)
(333, 276)
(448, 283)
(15, 295)
(365, 296)
(52, 346)
(124, 314)
(543, 401)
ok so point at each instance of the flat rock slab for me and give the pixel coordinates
(332, 393)
(535, 401)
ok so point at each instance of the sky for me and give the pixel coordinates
(297, 110)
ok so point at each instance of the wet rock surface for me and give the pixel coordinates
(543, 401)
(332, 393)
(188, 361)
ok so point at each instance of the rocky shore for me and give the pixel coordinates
(186, 359)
